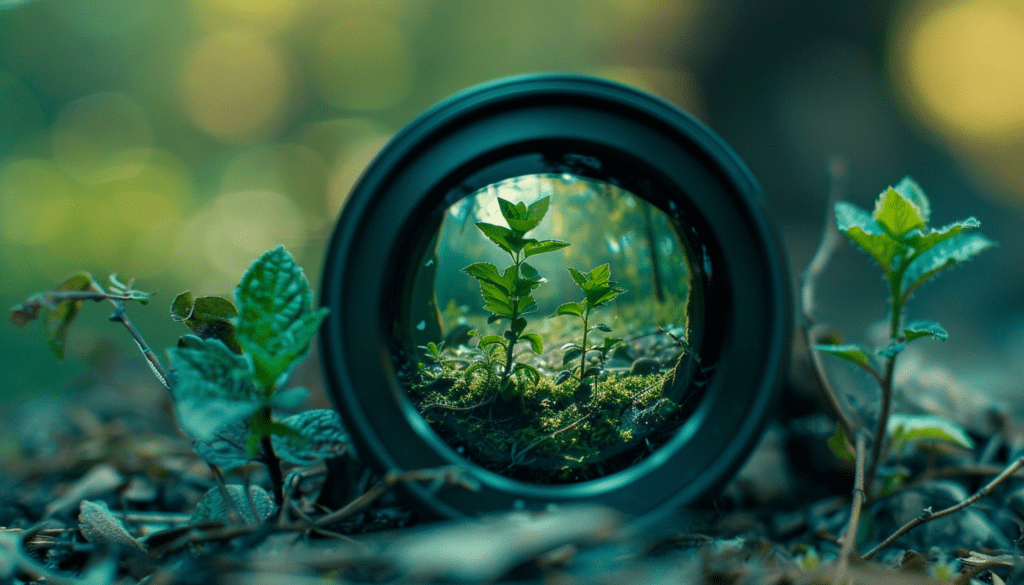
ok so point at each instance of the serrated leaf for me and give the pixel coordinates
(928, 427)
(852, 353)
(579, 277)
(502, 236)
(913, 193)
(531, 275)
(943, 255)
(226, 447)
(897, 215)
(212, 387)
(543, 247)
(919, 329)
(520, 218)
(100, 527)
(868, 235)
(600, 275)
(921, 240)
(276, 319)
(208, 317)
(892, 350)
(213, 507)
(487, 272)
(320, 435)
(536, 343)
(840, 445)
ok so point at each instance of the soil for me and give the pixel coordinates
(110, 441)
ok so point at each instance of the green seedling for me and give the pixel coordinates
(508, 295)
(598, 291)
(896, 235)
(229, 374)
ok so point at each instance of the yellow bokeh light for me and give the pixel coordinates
(362, 63)
(350, 167)
(244, 224)
(265, 15)
(102, 137)
(963, 67)
(234, 85)
(35, 201)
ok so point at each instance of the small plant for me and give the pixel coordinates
(897, 237)
(508, 295)
(598, 291)
(229, 374)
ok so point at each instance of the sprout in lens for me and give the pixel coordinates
(554, 329)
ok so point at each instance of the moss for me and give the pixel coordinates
(542, 434)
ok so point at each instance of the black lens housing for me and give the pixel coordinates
(590, 128)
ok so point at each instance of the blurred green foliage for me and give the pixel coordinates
(171, 142)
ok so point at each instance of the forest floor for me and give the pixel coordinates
(99, 486)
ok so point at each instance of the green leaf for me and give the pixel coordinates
(496, 300)
(212, 387)
(600, 275)
(207, 317)
(927, 427)
(290, 399)
(530, 371)
(212, 507)
(491, 340)
(580, 278)
(921, 240)
(602, 327)
(571, 355)
(892, 350)
(536, 343)
(57, 320)
(919, 329)
(840, 445)
(518, 326)
(276, 319)
(913, 193)
(544, 246)
(531, 275)
(851, 353)
(897, 215)
(320, 435)
(610, 342)
(500, 236)
(487, 272)
(868, 235)
(943, 255)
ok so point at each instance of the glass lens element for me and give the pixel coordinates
(554, 329)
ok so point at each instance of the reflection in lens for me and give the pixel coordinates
(554, 328)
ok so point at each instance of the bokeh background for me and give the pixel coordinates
(174, 141)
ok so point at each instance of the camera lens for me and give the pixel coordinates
(569, 287)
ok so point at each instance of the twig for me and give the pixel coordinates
(849, 539)
(451, 475)
(814, 332)
(120, 316)
(928, 515)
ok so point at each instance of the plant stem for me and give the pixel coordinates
(121, 316)
(883, 424)
(583, 356)
(273, 463)
(850, 535)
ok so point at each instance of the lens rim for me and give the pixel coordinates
(422, 165)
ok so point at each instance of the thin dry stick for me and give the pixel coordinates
(815, 333)
(929, 515)
(850, 535)
(29, 310)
